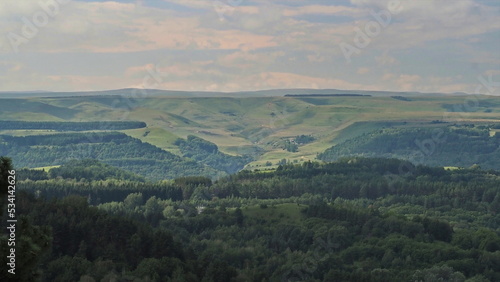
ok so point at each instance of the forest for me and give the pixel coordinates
(460, 145)
(355, 219)
(208, 153)
(70, 126)
(114, 148)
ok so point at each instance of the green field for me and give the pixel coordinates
(242, 125)
(156, 136)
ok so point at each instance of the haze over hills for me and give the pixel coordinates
(136, 92)
(216, 141)
(263, 127)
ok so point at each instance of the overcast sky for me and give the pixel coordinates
(233, 45)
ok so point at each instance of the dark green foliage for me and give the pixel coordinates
(437, 229)
(30, 241)
(32, 174)
(290, 146)
(479, 105)
(32, 106)
(98, 192)
(438, 273)
(92, 170)
(304, 139)
(70, 126)
(192, 181)
(219, 271)
(208, 153)
(346, 179)
(401, 98)
(84, 237)
(190, 184)
(65, 139)
(461, 146)
(5, 172)
(282, 162)
(31, 244)
(356, 219)
(112, 148)
(239, 216)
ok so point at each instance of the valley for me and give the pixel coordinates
(255, 127)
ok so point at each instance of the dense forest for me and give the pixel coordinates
(208, 153)
(355, 219)
(80, 170)
(114, 148)
(462, 145)
(70, 126)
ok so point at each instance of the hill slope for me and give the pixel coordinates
(458, 145)
(256, 126)
(116, 149)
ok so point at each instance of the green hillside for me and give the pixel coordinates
(70, 126)
(434, 144)
(208, 153)
(254, 127)
(117, 149)
(91, 170)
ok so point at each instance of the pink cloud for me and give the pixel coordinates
(363, 70)
(317, 9)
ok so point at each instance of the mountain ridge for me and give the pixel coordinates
(137, 92)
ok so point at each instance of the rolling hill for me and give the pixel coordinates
(254, 125)
(448, 145)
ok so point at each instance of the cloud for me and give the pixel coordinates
(363, 70)
(388, 76)
(318, 9)
(257, 44)
(241, 60)
(119, 27)
(10, 67)
(271, 80)
(492, 72)
(407, 82)
(401, 82)
(420, 22)
(385, 60)
(200, 4)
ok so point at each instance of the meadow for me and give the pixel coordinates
(254, 126)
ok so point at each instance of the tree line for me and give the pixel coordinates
(450, 145)
(340, 221)
(114, 148)
(70, 126)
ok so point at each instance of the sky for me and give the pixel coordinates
(240, 45)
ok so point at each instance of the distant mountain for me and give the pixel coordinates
(140, 93)
(249, 124)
